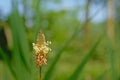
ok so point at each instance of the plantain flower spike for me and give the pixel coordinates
(41, 49)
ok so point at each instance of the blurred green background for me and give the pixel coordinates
(85, 36)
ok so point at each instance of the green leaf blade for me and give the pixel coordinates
(80, 67)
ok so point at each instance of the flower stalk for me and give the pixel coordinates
(41, 49)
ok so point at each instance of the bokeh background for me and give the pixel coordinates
(85, 36)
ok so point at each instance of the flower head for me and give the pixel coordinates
(41, 49)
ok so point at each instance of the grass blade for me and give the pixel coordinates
(6, 59)
(111, 55)
(19, 37)
(79, 69)
(57, 57)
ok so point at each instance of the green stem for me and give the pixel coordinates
(40, 72)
